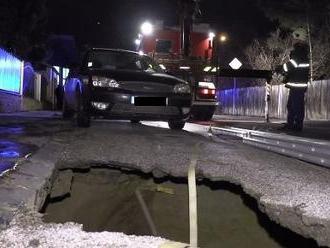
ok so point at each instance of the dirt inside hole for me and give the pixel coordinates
(105, 199)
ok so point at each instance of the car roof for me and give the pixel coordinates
(113, 50)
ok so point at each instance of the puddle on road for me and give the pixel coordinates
(5, 166)
(108, 200)
(10, 151)
(11, 130)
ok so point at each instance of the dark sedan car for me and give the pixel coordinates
(119, 84)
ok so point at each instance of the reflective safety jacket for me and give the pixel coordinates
(296, 71)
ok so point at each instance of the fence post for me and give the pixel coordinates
(234, 97)
(267, 101)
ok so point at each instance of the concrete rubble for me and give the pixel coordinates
(27, 230)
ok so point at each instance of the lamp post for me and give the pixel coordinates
(221, 39)
(235, 64)
(146, 29)
(211, 36)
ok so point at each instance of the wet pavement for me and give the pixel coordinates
(22, 134)
(10, 149)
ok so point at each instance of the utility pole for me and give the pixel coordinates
(309, 35)
(188, 9)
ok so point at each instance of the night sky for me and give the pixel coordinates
(115, 23)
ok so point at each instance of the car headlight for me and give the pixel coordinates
(105, 82)
(182, 89)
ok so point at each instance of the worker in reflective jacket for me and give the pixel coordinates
(296, 77)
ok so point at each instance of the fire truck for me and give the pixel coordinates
(185, 51)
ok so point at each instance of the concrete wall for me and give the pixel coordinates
(251, 101)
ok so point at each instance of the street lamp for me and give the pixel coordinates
(211, 39)
(211, 35)
(147, 28)
(235, 64)
(223, 38)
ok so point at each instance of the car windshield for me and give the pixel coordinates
(114, 60)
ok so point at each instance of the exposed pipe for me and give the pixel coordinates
(146, 212)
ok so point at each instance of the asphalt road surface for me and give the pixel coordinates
(292, 193)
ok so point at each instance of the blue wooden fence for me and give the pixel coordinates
(10, 73)
(250, 101)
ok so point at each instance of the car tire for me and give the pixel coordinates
(67, 113)
(176, 124)
(83, 118)
(135, 121)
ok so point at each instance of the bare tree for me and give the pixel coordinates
(275, 51)
(307, 14)
(270, 53)
(22, 25)
(321, 52)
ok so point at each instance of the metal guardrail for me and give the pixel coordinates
(309, 150)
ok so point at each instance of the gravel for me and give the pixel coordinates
(27, 230)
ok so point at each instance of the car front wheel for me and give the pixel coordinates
(176, 124)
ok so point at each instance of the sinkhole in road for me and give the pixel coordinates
(104, 199)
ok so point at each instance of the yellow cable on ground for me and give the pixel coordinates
(173, 245)
(192, 206)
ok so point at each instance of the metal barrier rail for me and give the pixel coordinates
(309, 150)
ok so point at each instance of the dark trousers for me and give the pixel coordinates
(59, 92)
(296, 108)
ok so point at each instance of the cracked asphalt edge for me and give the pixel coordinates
(23, 192)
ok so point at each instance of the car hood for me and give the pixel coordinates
(138, 76)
